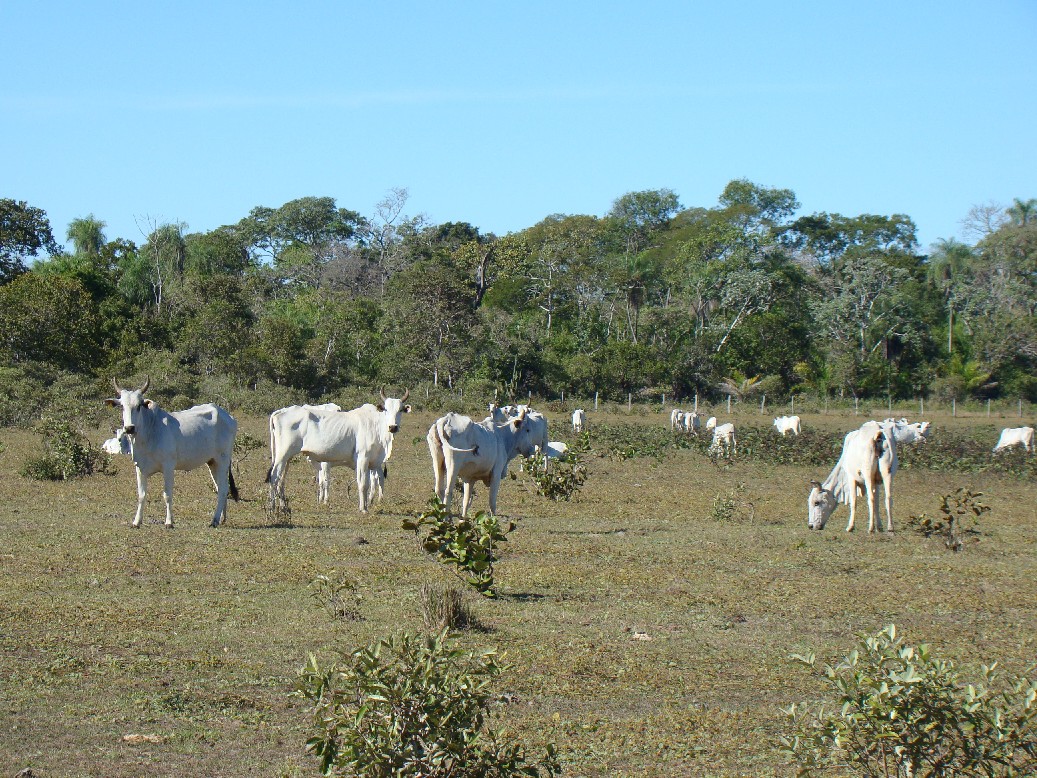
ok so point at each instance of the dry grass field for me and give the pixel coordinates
(647, 636)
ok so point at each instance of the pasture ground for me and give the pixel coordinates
(648, 637)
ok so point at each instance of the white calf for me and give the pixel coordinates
(1015, 436)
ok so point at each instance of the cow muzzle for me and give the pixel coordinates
(130, 429)
(394, 428)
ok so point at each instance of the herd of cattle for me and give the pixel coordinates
(461, 448)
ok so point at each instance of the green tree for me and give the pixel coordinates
(48, 318)
(24, 232)
(87, 236)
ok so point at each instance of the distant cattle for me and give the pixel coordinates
(164, 442)
(1015, 436)
(785, 424)
(535, 420)
(905, 433)
(869, 456)
(119, 444)
(360, 438)
(692, 421)
(579, 420)
(724, 439)
(476, 451)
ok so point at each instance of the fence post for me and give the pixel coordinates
(1020, 407)
(763, 402)
(988, 407)
(794, 403)
(696, 402)
(629, 406)
(826, 403)
(921, 406)
(856, 412)
(563, 396)
(954, 406)
(595, 401)
(664, 400)
(729, 405)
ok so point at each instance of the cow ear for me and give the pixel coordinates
(406, 409)
(111, 403)
(149, 403)
(380, 407)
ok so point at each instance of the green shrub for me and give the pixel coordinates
(556, 479)
(68, 454)
(958, 519)
(412, 706)
(899, 711)
(468, 545)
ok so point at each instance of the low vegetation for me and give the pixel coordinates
(67, 454)
(414, 705)
(898, 710)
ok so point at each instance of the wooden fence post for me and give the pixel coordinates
(595, 401)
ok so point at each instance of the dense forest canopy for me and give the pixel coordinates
(745, 296)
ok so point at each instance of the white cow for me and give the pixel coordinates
(322, 470)
(869, 455)
(676, 419)
(692, 421)
(535, 419)
(120, 444)
(905, 433)
(711, 423)
(475, 451)
(556, 449)
(784, 424)
(163, 442)
(579, 420)
(1015, 436)
(724, 439)
(360, 438)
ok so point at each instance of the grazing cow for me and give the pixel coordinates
(724, 439)
(322, 470)
(360, 438)
(711, 423)
(1015, 436)
(163, 442)
(120, 444)
(784, 424)
(475, 451)
(556, 449)
(579, 420)
(692, 421)
(869, 455)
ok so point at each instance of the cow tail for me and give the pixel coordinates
(233, 487)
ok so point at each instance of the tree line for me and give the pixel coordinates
(744, 296)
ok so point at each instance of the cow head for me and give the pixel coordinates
(132, 403)
(392, 409)
(525, 445)
(820, 506)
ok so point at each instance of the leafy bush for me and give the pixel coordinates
(68, 454)
(899, 711)
(556, 479)
(337, 594)
(468, 545)
(959, 517)
(413, 706)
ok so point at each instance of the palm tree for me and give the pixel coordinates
(1023, 211)
(87, 236)
(945, 267)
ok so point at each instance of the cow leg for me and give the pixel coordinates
(361, 482)
(220, 473)
(449, 476)
(872, 493)
(167, 494)
(494, 487)
(853, 507)
(887, 487)
(466, 498)
(142, 496)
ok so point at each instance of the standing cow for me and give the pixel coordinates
(579, 420)
(165, 442)
(361, 438)
(476, 451)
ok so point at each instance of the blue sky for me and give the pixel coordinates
(500, 114)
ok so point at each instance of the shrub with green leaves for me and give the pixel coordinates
(468, 545)
(413, 706)
(958, 519)
(68, 454)
(556, 478)
(337, 594)
(900, 711)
